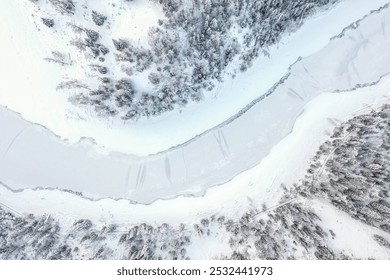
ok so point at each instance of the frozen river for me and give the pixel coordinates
(31, 156)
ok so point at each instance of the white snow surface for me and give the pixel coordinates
(352, 236)
(33, 93)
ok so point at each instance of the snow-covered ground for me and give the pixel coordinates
(33, 157)
(359, 245)
(40, 105)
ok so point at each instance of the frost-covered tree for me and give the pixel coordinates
(98, 18)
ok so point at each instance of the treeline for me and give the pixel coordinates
(355, 169)
(194, 46)
(31, 237)
(192, 49)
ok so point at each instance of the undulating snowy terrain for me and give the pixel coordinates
(249, 166)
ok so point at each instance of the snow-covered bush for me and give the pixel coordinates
(48, 22)
(64, 6)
